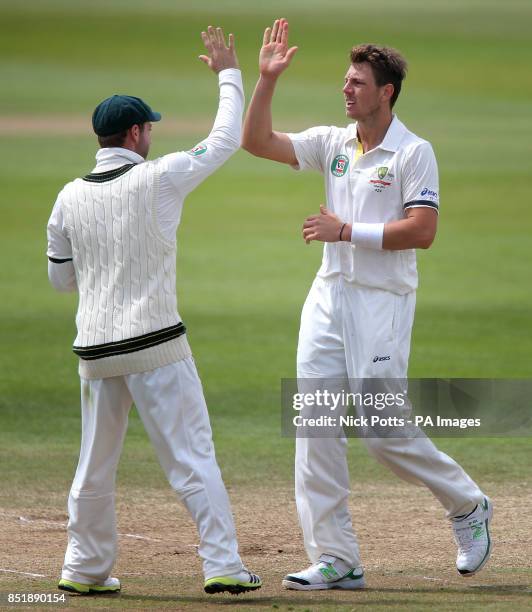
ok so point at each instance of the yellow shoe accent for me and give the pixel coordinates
(86, 589)
(98, 588)
(233, 585)
(73, 587)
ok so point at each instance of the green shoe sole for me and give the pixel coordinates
(86, 589)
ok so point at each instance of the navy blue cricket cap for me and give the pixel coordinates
(119, 113)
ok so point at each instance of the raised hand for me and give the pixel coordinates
(219, 55)
(275, 56)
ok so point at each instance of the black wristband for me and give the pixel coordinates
(341, 230)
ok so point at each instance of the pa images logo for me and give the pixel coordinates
(381, 178)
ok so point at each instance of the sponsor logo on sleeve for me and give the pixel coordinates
(199, 150)
(339, 165)
(428, 193)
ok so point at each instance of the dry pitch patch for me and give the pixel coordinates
(80, 125)
(406, 545)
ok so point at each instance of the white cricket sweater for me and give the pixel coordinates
(127, 315)
(114, 230)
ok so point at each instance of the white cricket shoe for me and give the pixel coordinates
(327, 573)
(471, 533)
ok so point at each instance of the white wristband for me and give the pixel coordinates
(368, 235)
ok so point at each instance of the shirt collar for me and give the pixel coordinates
(110, 158)
(391, 140)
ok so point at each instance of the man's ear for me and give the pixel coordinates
(134, 130)
(387, 92)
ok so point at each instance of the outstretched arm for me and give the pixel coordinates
(184, 171)
(222, 59)
(258, 136)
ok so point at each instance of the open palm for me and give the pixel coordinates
(275, 56)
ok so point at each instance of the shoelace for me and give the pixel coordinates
(465, 536)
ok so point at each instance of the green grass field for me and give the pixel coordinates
(240, 291)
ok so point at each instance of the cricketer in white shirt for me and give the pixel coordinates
(381, 189)
(376, 187)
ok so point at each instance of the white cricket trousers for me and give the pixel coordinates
(343, 329)
(171, 405)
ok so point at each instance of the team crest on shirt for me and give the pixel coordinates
(378, 176)
(199, 150)
(339, 165)
(382, 171)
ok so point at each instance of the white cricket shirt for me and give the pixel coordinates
(376, 187)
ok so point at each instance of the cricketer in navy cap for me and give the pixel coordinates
(119, 113)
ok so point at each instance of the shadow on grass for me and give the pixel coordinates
(295, 598)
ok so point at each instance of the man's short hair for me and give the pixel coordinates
(118, 139)
(387, 64)
(113, 140)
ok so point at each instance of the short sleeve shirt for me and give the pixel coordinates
(376, 187)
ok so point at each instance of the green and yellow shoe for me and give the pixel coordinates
(111, 585)
(235, 583)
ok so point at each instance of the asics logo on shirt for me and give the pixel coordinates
(429, 193)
